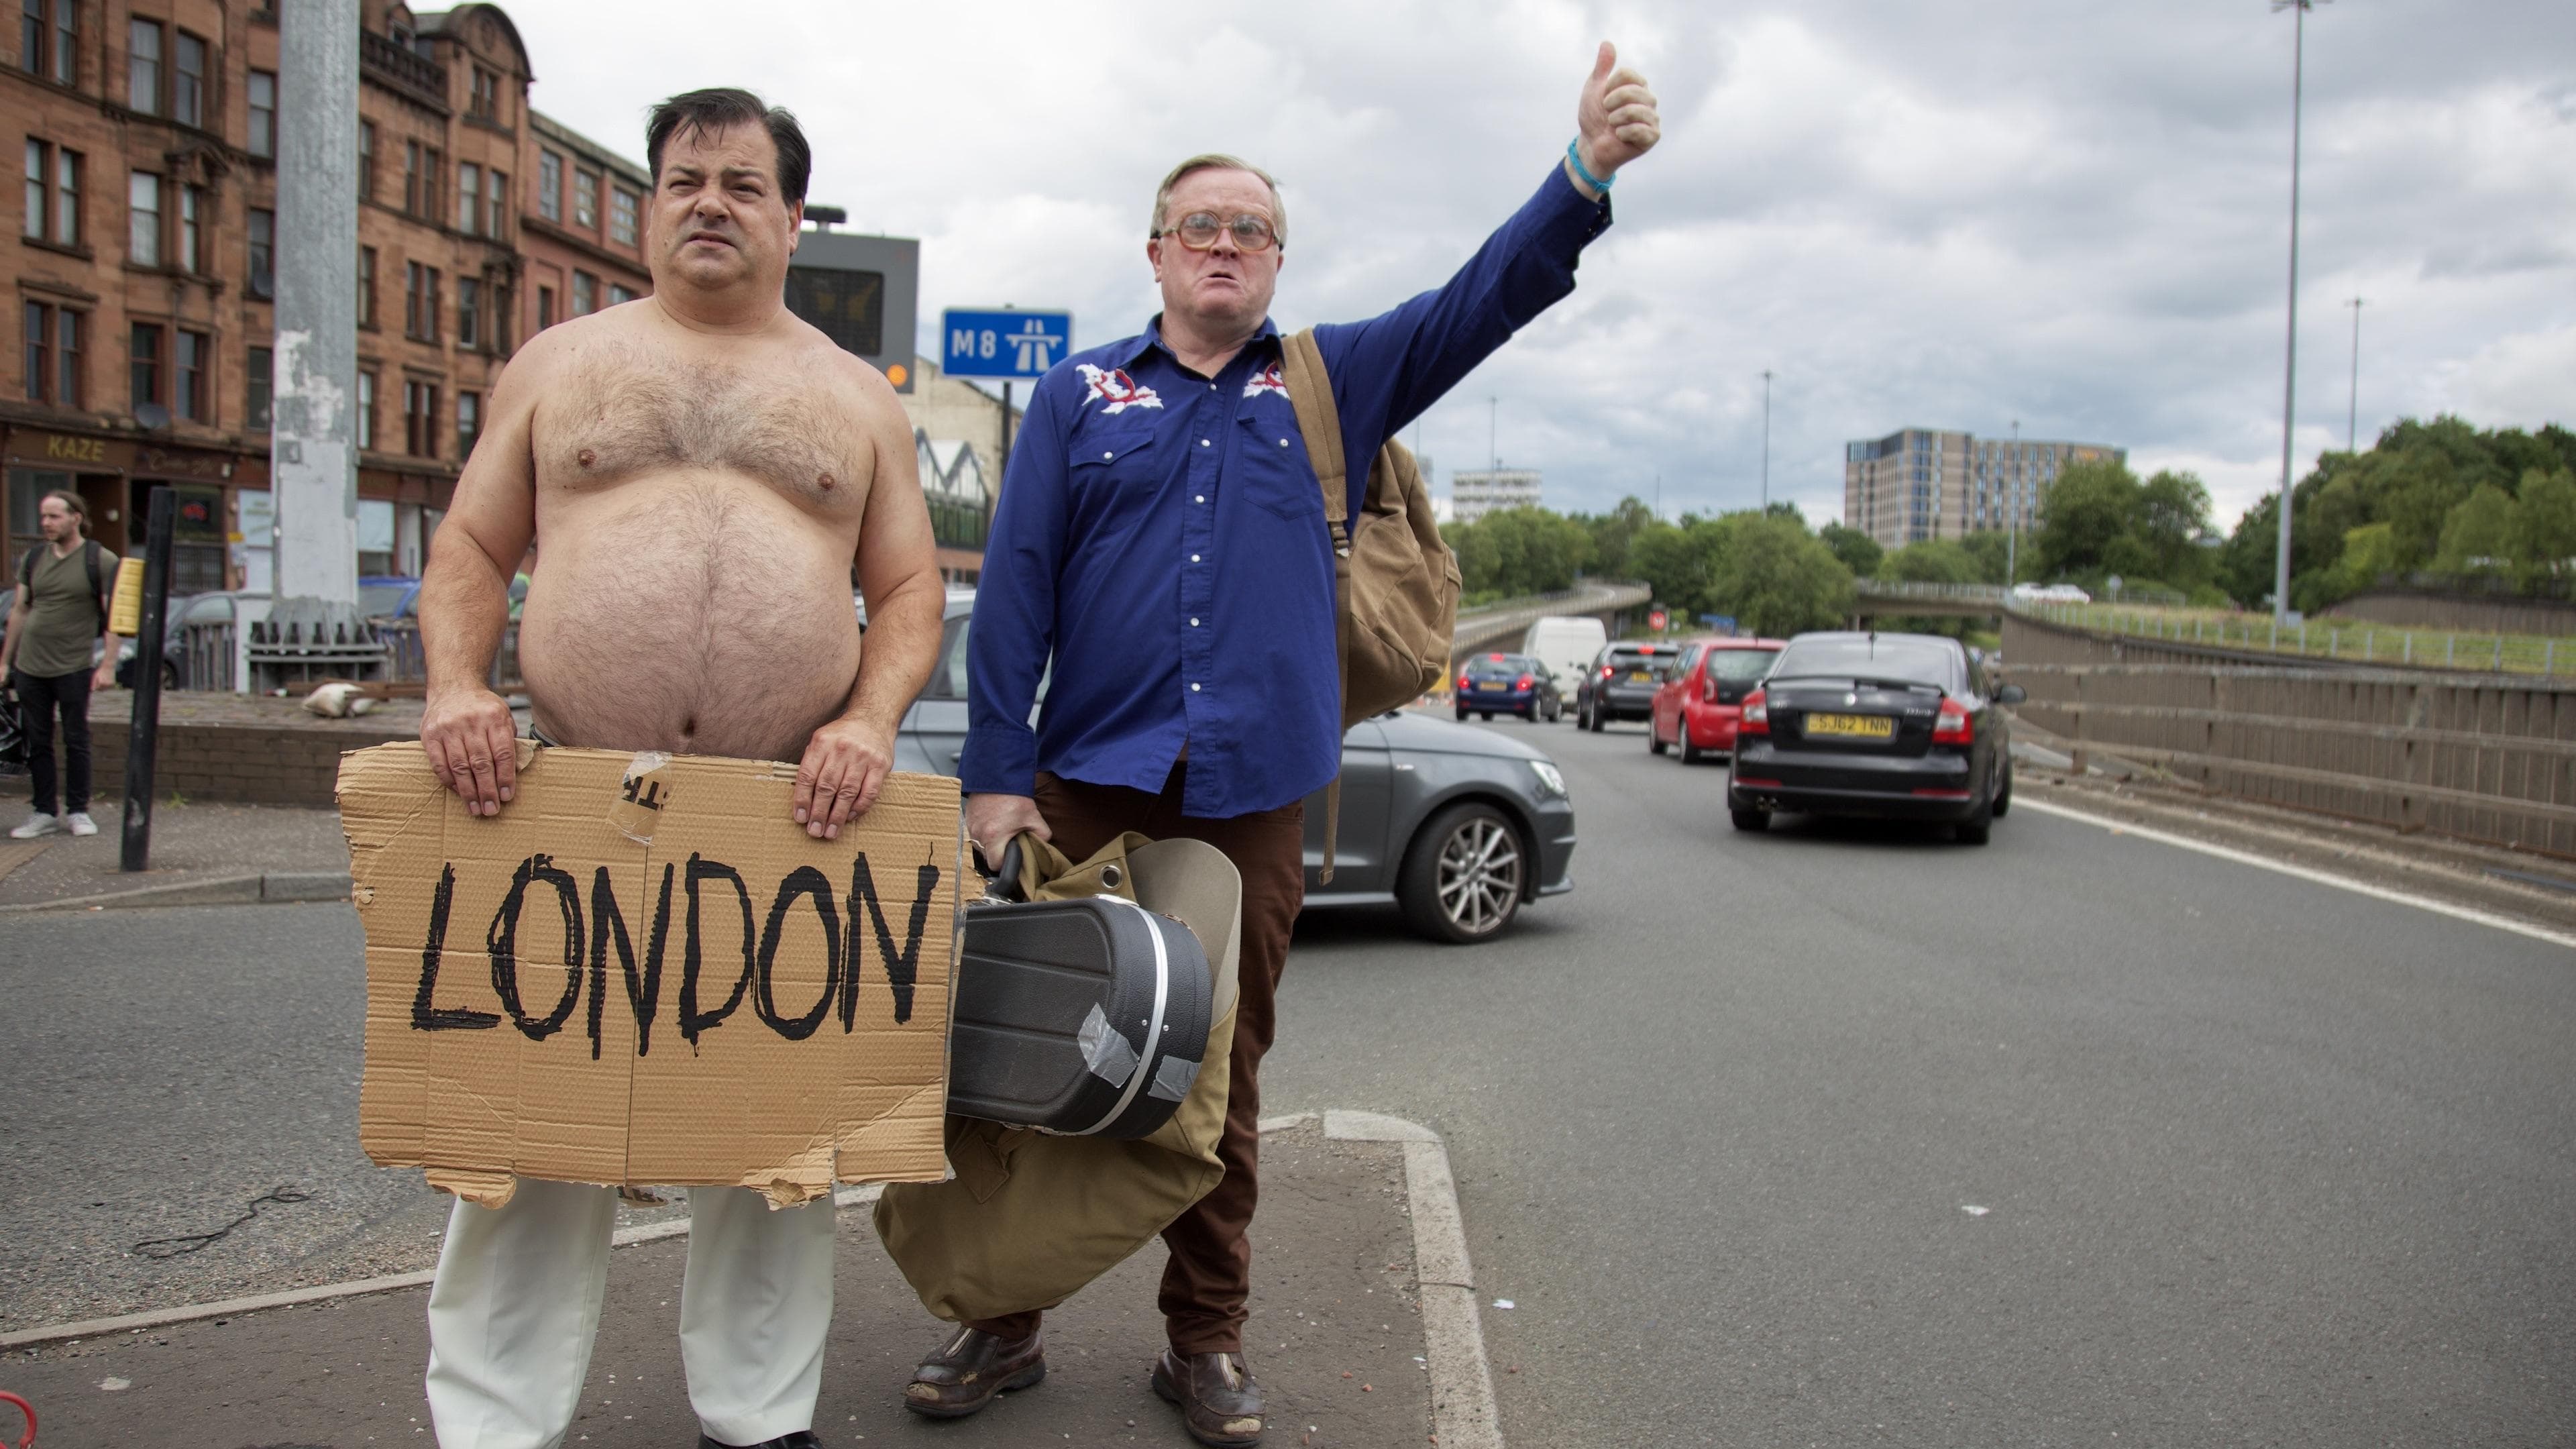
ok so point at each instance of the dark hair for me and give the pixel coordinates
(70, 500)
(709, 111)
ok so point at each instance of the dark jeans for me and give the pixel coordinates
(1209, 1277)
(38, 697)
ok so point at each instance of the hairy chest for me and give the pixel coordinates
(616, 423)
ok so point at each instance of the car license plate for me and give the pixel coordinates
(1641, 677)
(1852, 726)
(1490, 687)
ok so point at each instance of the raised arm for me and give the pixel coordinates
(465, 593)
(847, 761)
(1390, 368)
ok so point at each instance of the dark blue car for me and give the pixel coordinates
(1492, 684)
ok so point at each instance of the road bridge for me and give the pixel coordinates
(1508, 621)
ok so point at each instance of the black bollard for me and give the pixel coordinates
(143, 738)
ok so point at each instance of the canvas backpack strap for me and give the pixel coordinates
(1319, 421)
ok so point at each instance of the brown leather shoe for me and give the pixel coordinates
(973, 1367)
(1219, 1402)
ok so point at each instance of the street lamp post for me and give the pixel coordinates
(2012, 514)
(1766, 440)
(2352, 423)
(2290, 363)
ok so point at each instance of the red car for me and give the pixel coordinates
(1702, 698)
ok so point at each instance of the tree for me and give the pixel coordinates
(1613, 533)
(1778, 579)
(2477, 536)
(1519, 551)
(2544, 536)
(2087, 510)
(1859, 552)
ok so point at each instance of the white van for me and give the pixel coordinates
(1567, 645)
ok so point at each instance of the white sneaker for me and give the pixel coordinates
(80, 823)
(36, 825)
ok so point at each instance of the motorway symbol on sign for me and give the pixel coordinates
(1006, 344)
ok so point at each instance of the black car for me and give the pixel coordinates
(1895, 725)
(1492, 684)
(1457, 825)
(1621, 682)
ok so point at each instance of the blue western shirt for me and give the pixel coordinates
(1161, 534)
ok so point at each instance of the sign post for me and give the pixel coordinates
(1008, 344)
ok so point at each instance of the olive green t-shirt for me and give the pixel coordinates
(62, 615)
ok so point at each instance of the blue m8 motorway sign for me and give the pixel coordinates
(1011, 345)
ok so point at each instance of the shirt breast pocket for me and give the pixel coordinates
(1275, 472)
(1106, 461)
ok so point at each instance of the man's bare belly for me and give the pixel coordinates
(697, 612)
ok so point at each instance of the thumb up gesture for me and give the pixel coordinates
(1615, 122)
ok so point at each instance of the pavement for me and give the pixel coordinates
(1341, 1349)
(202, 853)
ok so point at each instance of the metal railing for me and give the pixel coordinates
(1935, 592)
(405, 665)
(2340, 640)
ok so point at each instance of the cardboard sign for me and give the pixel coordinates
(644, 971)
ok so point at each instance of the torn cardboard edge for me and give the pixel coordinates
(644, 972)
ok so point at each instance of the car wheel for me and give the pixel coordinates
(1654, 741)
(1462, 879)
(169, 675)
(1755, 821)
(1597, 722)
(2003, 793)
(1462, 712)
(1689, 752)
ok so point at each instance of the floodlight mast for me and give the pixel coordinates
(2290, 363)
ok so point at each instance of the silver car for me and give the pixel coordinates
(1456, 825)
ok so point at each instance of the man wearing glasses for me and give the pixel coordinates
(1162, 534)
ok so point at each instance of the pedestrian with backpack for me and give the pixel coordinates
(1211, 532)
(58, 617)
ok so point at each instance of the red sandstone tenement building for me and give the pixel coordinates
(146, 236)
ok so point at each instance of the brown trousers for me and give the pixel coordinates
(1209, 1278)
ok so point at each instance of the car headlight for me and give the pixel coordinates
(1550, 780)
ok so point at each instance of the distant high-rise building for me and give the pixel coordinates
(1480, 491)
(1922, 483)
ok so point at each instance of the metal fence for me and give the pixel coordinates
(2490, 758)
(404, 664)
(2341, 640)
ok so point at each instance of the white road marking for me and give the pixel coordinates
(2242, 857)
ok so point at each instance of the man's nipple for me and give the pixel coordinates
(826, 481)
(586, 457)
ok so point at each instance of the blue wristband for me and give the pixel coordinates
(1574, 156)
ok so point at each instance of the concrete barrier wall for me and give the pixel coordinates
(2484, 757)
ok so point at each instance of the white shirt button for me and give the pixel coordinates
(1194, 623)
(1194, 558)
(1202, 498)
(1203, 442)
(1194, 689)
(1283, 442)
(1105, 457)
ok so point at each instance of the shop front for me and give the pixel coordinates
(115, 479)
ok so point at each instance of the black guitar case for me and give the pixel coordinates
(1080, 1017)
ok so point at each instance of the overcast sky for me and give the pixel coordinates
(1951, 213)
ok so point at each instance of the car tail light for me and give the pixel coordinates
(1954, 727)
(1607, 671)
(1462, 681)
(1757, 715)
(1525, 682)
(1708, 688)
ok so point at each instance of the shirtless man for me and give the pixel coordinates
(703, 467)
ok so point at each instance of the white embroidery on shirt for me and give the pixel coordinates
(1266, 380)
(1115, 388)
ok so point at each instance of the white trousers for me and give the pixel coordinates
(516, 1305)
